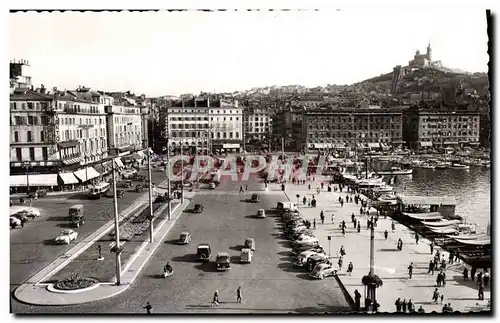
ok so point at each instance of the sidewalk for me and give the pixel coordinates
(390, 265)
(38, 294)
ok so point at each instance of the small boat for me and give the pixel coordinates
(396, 171)
(383, 189)
(427, 166)
(459, 166)
(441, 166)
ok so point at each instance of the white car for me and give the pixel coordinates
(323, 270)
(66, 236)
(261, 213)
(306, 240)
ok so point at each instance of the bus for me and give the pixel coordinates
(99, 190)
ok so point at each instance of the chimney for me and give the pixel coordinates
(42, 89)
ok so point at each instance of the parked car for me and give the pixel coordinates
(38, 193)
(317, 259)
(21, 216)
(125, 184)
(66, 236)
(139, 188)
(30, 213)
(198, 208)
(203, 252)
(302, 258)
(77, 220)
(255, 198)
(223, 261)
(323, 270)
(184, 238)
(306, 241)
(261, 213)
(304, 238)
(211, 185)
(298, 249)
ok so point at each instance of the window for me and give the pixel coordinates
(237, 135)
(16, 136)
(23, 105)
(42, 136)
(19, 154)
(30, 105)
(45, 153)
(38, 105)
(30, 136)
(32, 153)
(13, 105)
(19, 120)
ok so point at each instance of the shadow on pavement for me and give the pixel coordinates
(285, 253)
(289, 267)
(235, 259)
(172, 242)
(388, 249)
(50, 242)
(77, 196)
(322, 309)
(66, 225)
(185, 258)
(251, 216)
(58, 218)
(207, 267)
(236, 248)
(156, 276)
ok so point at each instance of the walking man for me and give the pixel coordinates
(238, 295)
(215, 300)
(431, 267)
(432, 247)
(386, 234)
(350, 267)
(357, 300)
(416, 238)
(148, 308)
(314, 223)
(480, 293)
(241, 189)
(410, 270)
(398, 305)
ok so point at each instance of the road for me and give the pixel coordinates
(269, 284)
(32, 248)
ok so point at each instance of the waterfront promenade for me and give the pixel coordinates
(390, 264)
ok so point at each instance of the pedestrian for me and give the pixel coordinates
(431, 267)
(436, 295)
(343, 231)
(439, 278)
(304, 200)
(450, 258)
(359, 226)
(486, 278)
(343, 224)
(411, 307)
(340, 262)
(357, 300)
(420, 309)
(431, 245)
(443, 278)
(386, 234)
(361, 210)
(404, 305)
(473, 273)
(354, 223)
(393, 226)
(332, 218)
(479, 277)
(442, 298)
(22, 223)
(480, 293)
(241, 189)
(350, 267)
(416, 238)
(246, 187)
(410, 270)
(322, 216)
(314, 223)
(342, 203)
(466, 273)
(342, 251)
(398, 305)
(238, 295)
(148, 308)
(215, 300)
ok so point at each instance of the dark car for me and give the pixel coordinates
(77, 220)
(22, 216)
(139, 188)
(203, 252)
(184, 238)
(255, 198)
(37, 193)
(223, 261)
(125, 184)
(120, 193)
(139, 178)
(316, 260)
(161, 198)
(198, 208)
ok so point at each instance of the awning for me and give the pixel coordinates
(424, 216)
(483, 242)
(426, 144)
(86, 174)
(443, 223)
(450, 143)
(68, 178)
(72, 161)
(373, 145)
(18, 180)
(43, 180)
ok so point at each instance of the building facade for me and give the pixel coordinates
(124, 127)
(443, 127)
(226, 127)
(353, 128)
(257, 126)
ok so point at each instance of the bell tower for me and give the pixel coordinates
(429, 52)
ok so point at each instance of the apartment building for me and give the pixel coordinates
(124, 127)
(441, 127)
(226, 127)
(353, 128)
(256, 125)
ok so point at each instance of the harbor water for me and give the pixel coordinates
(471, 189)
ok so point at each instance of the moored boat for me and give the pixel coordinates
(459, 166)
(396, 171)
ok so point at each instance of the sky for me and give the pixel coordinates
(160, 53)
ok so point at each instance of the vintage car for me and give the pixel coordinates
(30, 213)
(261, 213)
(139, 188)
(77, 220)
(203, 252)
(184, 238)
(317, 259)
(66, 236)
(323, 270)
(305, 241)
(15, 222)
(304, 238)
(198, 208)
(313, 246)
(212, 185)
(302, 258)
(138, 177)
(21, 216)
(255, 198)
(223, 261)
(125, 184)
(250, 243)
(246, 255)
(38, 193)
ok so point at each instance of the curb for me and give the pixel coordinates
(346, 293)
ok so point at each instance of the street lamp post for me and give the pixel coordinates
(85, 158)
(150, 198)
(26, 166)
(117, 249)
(168, 169)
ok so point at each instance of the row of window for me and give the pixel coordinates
(355, 127)
(31, 152)
(72, 107)
(455, 126)
(449, 119)
(125, 128)
(204, 111)
(214, 135)
(354, 135)
(29, 120)
(449, 133)
(337, 119)
(88, 121)
(82, 134)
(29, 136)
(28, 105)
(200, 118)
